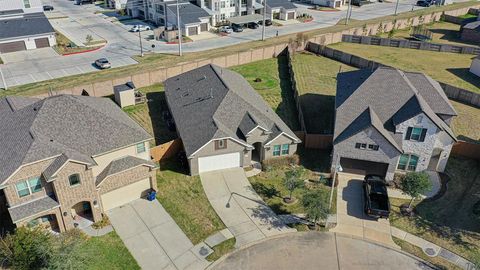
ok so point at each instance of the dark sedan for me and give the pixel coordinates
(47, 8)
(252, 25)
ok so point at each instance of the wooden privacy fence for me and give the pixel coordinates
(452, 92)
(166, 150)
(318, 141)
(410, 44)
(466, 149)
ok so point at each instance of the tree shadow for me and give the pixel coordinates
(287, 109)
(318, 111)
(265, 191)
(158, 112)
(268, 216)
(466, 75)
(177, 164)
(317, 160)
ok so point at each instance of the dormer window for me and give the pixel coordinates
(220, 144)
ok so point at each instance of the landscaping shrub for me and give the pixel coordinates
(315, 203)
(414, 184)
(269, 164)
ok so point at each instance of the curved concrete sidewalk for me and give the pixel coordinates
(239, 207)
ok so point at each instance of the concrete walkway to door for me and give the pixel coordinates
(239, 206)
(351, 218)
(153, 237)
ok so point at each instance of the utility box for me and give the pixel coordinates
(124, 94)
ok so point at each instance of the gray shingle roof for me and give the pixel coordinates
(392, 96)
(122, 164)
(27, 25)
(210, 102)
(78, 126)
(23, 211)
(281, 3)
(189, 13)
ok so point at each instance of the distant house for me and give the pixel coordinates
(66, 160)
(329, 3)
(24, 26)
(391, 121)
(223, 122)
(281, 10)
(475, 66)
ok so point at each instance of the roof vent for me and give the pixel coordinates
(51, 140)
(203, 78)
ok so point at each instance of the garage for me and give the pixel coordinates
(12, 46)
(192, 31)
(203, 27)
(291, 16)
(219, 162)
(42, 43)
(126, 194)
(364, 167)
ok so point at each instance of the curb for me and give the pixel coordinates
(87, 51)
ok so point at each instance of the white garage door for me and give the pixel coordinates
(125, 194)
(219, 162)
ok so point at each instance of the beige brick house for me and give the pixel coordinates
(66, 160)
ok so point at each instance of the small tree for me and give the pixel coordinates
(294, 179)
(315, 203)
(414, 184)
(89, 39)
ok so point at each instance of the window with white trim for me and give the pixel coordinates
(26, 3)
(276, 150)
(140, 148)
(74, 179)
(28, 187)
(285, 149)
(408, 162)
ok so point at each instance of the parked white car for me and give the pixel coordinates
(226, 29)
(140, 28)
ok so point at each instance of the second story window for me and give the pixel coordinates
(140, 148)
(28, 187)
(222, 4)
(373, 147)
(416, 134)
(159, 8)
(361, 145)
(276, 150)
(220, 144)
(74, 179)
(285, 149)
(26, 3)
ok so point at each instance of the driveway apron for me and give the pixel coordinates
(239, 206)
(153, 237)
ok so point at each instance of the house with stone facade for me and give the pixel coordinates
(66, 160)
(388, 121)
(223, 122)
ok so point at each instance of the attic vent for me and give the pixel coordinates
(185, 94)
(34, 109)
(178, 88)
(51, 140)
(203, 78)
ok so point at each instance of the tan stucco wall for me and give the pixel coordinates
(128, 177)
(105, 159)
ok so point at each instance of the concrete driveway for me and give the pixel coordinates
(351, 219)
(153, 237)
(239, 206)
(325, 251)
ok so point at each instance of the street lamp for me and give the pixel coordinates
(338, 169)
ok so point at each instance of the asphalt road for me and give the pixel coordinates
(78, 21)
(313, 250)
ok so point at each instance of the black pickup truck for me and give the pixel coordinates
(376, 197)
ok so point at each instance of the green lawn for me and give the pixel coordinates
(450, 221)
(274, 87)
(107, 252)
(184, 199)
(467, 124)
(269, 184)
(443, 32)
(451, 68)
(222, 249)
(149, 115)
(316, 85)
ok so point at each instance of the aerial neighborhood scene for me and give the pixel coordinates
(239, 134)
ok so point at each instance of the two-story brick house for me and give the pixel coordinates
(68, 158)
(388, 121)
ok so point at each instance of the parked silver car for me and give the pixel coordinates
(140, 28)
(103, 63)
(225, 29)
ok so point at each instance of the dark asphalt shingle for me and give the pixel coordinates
(189, 13)
(23, 211)
(28, 25)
